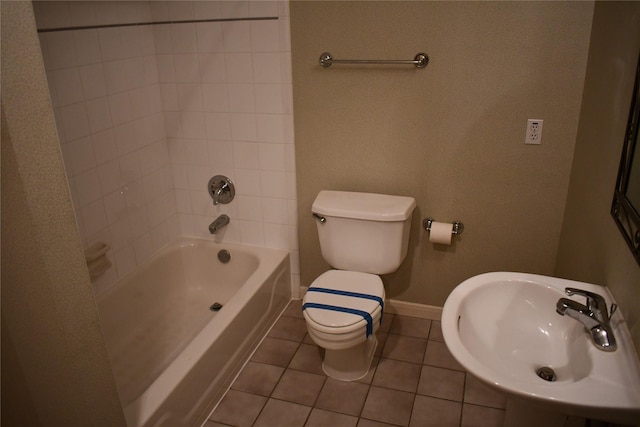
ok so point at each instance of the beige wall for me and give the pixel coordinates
(450, 135)
(55, 366)
(591, 247)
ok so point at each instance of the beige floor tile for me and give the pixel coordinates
(387, 321)
(442, 383)
(275, 351)
(408, 349)
(294, 309)
(238, 409)
(479, 393)
(410, 326)
(388, 406)
(481, 416)
(278, 413)
(258, 378)
(342, 396)
(397, 375)
(432, 412)
(362, 422)
(322, 418)
(438, 354)
(289, 328)
(299, 387)
(435, 333)
(308, 358)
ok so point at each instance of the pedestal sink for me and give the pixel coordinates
(504, 329)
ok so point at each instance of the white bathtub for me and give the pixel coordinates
(172, 356)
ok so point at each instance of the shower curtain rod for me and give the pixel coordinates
(135, 24)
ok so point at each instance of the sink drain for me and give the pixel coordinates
(546, 373)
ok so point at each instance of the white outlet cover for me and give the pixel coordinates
(534, 132)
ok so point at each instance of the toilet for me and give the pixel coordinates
(362, 235)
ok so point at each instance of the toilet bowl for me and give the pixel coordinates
(361, 235)
(343, 311)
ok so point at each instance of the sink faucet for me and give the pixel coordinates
(594, 316)
(220, 222)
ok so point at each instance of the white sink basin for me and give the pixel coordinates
(502, 327)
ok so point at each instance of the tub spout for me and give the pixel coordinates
(220, 222)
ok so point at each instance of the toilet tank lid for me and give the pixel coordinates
(369, 206)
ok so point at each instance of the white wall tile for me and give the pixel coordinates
(215, 97)
(272, 157)
(93, 81)
(263, 8)
(187, 68)
(213, 68)
(87, 187)
(242, 98)
(269, 128)
(79, 156)
(239, 68)
(75, 121)
(218, 126)
(190, 97)
(266, 67)
(68, 86)
(115, 206)
(275, 211)
(220, 153)
(115, 74)
(110, 178)
(111, 47)
(246, 155)
(269, 98)
(234, 8)
(265, 36)
(243, 127)
(273, 184)
(99, 114)
(62, 51)
(250, 208)
(207, 9)
(104, 146)
(209, 36)
(183, 38)
(237, 36)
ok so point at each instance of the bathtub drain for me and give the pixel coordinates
(216, 306)
(224, 256)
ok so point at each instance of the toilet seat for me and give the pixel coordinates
(355, 291)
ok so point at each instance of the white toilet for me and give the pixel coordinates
(361, 235)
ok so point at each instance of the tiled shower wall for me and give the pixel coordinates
(154, 98)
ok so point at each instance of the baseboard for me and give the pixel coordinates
(404, 308)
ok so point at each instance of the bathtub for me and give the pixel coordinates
(173, 357)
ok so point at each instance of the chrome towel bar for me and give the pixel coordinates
(420, 60)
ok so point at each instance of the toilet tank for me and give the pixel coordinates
(363, 232)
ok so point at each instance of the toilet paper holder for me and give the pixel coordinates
(458, 227)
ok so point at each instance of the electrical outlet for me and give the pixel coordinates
(534, 132)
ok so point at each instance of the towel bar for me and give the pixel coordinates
(420, 60)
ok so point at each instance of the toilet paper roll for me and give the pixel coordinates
(441, 233)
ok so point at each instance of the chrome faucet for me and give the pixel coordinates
(220, 222)
(594, 316)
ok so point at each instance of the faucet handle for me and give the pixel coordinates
(595, 302)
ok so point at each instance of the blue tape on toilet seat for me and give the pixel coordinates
(350, 294)
(362, 313)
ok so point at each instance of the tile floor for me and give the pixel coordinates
(414, 382)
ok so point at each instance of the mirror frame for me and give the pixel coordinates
(623, 211)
